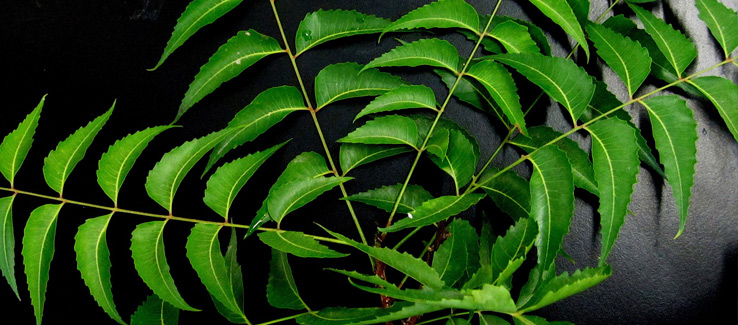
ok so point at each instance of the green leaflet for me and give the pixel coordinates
(164, 179)
(469, 92)
(235, 277)
(229, 179)
(403, 97)
(403, 262)
(17, 144)
(439, 14)
(437, 145)
(326, 25)
(401, 312)
(723, 93)
(580, 9)
(565, 285)
(457, 255)
(428, 51)
(460, 161)
(615, 158)
(155, 311)
(93, 262)
(581, 167)
(514, 37)
(232, 58)
(391, 129)
(7, 242)
(61, 161)
(198, 14)
(562, 14)
(626, 57)
(348, 80)
(722, 22)
(486, 239)
(675, 136)
(38, 250)
(293, 195)
(501, 86)
(561, 79)
(677, 49)
(435, 210)
(491, 320)
(536, 320)
(203, 251)
(147, 250)
(298, 244)
(382, 287)
(385, 197)
(353, 155)
(551, 201)
(115, 163)
(267, 109)
(509, 251)
(341, 315)
(281, 288)
(536, 33)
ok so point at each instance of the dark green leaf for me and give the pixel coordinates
(155, 311)
(439, 14)
(536, 320)
(435, 210)
(235, 276)
(514, 37)
(562, 14)
(460, 161)
(501, 86)
(468, 91)
(722, 21)
(456, 254)
(428, 51)
(385, 197)
(298, 244)
(353, 155)
(404, 97)
(535, 32)
(281, 288)
(723, 93)
(565, 285)
(340, 315)
(326, 25)
(38, 250)
(391, 129)
(232, 58)
(382, 287)
(491, 320)
(17, 144)
(293, 195)
(580, 9)
(509, 251)
(348, 80)
(510, 192)
(7, 242)
(626, 57)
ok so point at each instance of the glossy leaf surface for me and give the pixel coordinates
(404, 97)
(281, 289)
(17, 144)
(510, 192)
(293, 195)
(562, 14)
(391, 129)
(347, 80)
(501, 86)
(326, 25)
(723, 93)
(514, 37)
(386, 196)
(298, 244)
(353, 155)
(565, 285)
(155, 311)
(38, 250)
(460, 160)
(7, 243)
(439, 14)
(458, 253)
(722, 21)
(509, 251)
(626, 57)
(435, 210)
(675, 47)
(424, 52)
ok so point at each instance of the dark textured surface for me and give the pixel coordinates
(86, 55)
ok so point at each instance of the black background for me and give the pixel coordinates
(86, 55)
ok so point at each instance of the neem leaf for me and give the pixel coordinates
(298, 244)
(428, 51)
(293, 195)
(7, 242)
(510, 192)
(562, 14)
(615, 158)
(232, 58)
(514, 37)
(509, 251)
(385, 197)
(235, 277)
(164, 179)
(38, 250)
(626, 57)
(456, 255)
(62, 160)
(722, 22)
(439, 14)
(326, 25)
(93, 262)
(155, 311)
(435, 210)
(675, 136)
(675, 47)
(115, 163)
(341, 315)
(565, 285)
(353, 155)
(348, 80)
(198, 14)
(17, 144)
(403, 97)
(460, 160)
(391, 129)
(723, 93)
(281, 288)
(147, 250)
(501, 86)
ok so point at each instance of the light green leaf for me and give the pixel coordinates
(326, 25)
(460, 161)
(435, 210)
(562, 14)
(565, 285)
(227, 181)
(488, 298)
(580, 9)
(551, 201)
(403, 97)
(675, 135)
(341, 315)
(437, 145)
(298, 244)
(626, 57)
(560, 78)
(164, 179)
(615, 157)
(501, 86)
(115, 163)
(428, 51)
(536, 33)
(353, 155)
(147, 250)
(155, 311)
(509, 251)
(232, 58)
(235, 276)
(293, 195)
(93, 262)
(7, 242)
(403, 262)
(61, 161)
(38, 250)
(198, 14)
(723, 93)
(348, 80)
(203, 251)
(537, 320)
(581, 166)
(677, 49)
(391, 129)
(514, 37)
(456, 254)
(385, 197)
(17, 144)
(267, 109)
(281, 288)
(722, 22)
(439, 14)
(492, 320)
(510, 192)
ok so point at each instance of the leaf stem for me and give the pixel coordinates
(283, 319)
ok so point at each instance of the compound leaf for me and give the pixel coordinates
(17, 144)
(326, 25)
(428, 51)
(435, 210)
(155, 311)
(626, 57)
(38, 250)
(391, 129)
(403, 97)
(348, 80)
(439, 14)
(675, 47)
(353, 155)
(281, 288)
(386, 196)
(298, 244)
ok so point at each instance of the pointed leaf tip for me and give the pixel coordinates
(17, 144)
